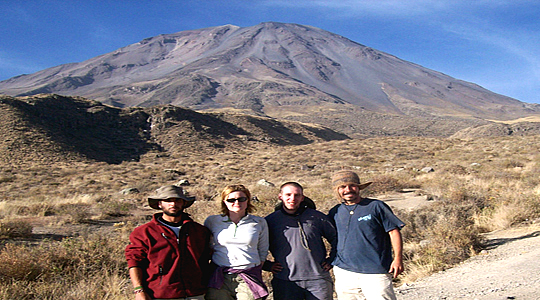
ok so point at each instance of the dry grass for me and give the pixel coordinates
(14, 229)
(88, 267)
(480, 185)
(526, 119)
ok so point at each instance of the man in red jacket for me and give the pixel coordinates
(168, 257)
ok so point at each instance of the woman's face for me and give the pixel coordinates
(240, 203)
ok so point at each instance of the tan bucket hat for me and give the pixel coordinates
(168, 192)
(344, 177)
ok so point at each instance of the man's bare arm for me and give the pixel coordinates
(397, 245)
(136, 275)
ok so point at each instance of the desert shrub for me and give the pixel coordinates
(89, 267)
(204, 192)
(323, 197)
(102, 286)
(267, 199)
(456, 169)
(422, 261)
(26, 290)
(39, 209)
(78, 212)
(14, 229)
(383, 184)
(9, 210)
(513, 164)
(444, 234)
(504, 214)
(201, 209)
(115, 208)
(531, 182)
(73, 256)
(465, 195)
(386, 183)
(455, 230)
(19, 262)
(5, 179)
(92, 254)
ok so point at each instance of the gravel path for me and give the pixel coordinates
(509, 269)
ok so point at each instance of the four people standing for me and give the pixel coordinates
(169, 257)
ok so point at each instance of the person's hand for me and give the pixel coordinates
(326, 266)
(142, 296)
(276, 268)
(396, 267)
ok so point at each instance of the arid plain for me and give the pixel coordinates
(64, 224)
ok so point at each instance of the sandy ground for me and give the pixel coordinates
(509, 268)
(408, 199)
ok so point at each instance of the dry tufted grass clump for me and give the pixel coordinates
(14, 229)
(52, 270)
(64, 226)
(438, 237)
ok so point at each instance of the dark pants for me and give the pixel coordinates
(317, 289)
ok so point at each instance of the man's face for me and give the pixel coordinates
(172, 207)
(292, 197)
(349, 192)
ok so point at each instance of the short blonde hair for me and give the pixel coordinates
(235, 188)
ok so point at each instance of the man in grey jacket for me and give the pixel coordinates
(301, 267)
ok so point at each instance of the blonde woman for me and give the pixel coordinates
(240, 244)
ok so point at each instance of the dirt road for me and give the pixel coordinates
(510, 269)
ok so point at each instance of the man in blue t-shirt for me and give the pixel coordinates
(368, 232)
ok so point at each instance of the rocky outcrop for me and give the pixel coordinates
(499, 129)
(53, 127)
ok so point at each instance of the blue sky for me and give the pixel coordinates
(493, 43)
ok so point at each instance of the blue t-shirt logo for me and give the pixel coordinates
(364, 218)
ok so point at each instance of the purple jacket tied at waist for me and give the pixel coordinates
(252, 276)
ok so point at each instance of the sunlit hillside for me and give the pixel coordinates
(64, 225)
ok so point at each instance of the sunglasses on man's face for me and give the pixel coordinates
(239, 199)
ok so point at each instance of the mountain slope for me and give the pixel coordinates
(271, 69)
(55, 128)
